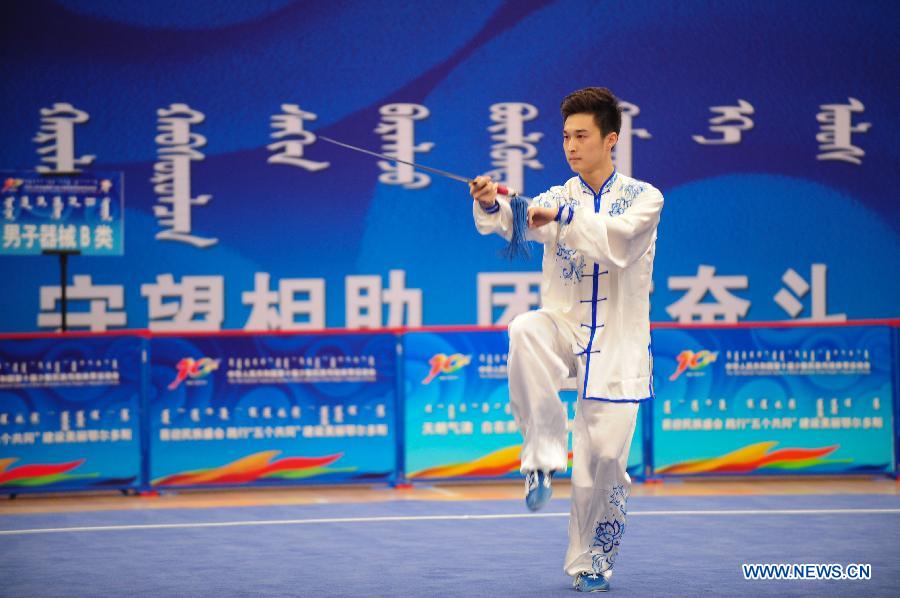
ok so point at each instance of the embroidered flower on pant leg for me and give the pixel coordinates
(618, 498)
(608, 535)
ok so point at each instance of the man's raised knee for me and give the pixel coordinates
(522, 326)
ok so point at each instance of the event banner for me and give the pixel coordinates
(268, 409)
(70, 413)
(458, 422)
(82, 213)
(217, 113)
(773, 400)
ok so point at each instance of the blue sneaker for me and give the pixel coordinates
(537, 489)
(591, 582)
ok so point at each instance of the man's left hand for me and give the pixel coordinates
(539, 216)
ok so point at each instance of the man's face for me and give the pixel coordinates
(585, 147)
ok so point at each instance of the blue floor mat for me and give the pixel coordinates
(661, 553)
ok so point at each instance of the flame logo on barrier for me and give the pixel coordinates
(11, 184)
(446, 364)
(689, 360)
(193, 368)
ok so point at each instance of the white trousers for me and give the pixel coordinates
(540, 359)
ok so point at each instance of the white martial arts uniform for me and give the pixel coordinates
(594, 323)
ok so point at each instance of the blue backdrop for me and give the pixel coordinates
(778, 201)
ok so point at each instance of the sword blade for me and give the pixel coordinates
(444, 173)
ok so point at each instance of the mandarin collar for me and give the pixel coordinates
(606, 186)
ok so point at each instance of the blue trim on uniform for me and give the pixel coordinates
(598, 199)
(604, 188)
(491, 210)
(571, 214)
(609, 182)
(598, 274)
(583, 350)
(608, 400)
(559, 214)
(585, 185)
(587, 366)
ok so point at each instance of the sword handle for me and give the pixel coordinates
(504, 190)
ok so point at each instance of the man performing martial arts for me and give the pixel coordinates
(599, 237)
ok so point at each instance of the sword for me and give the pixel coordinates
(501, 189)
